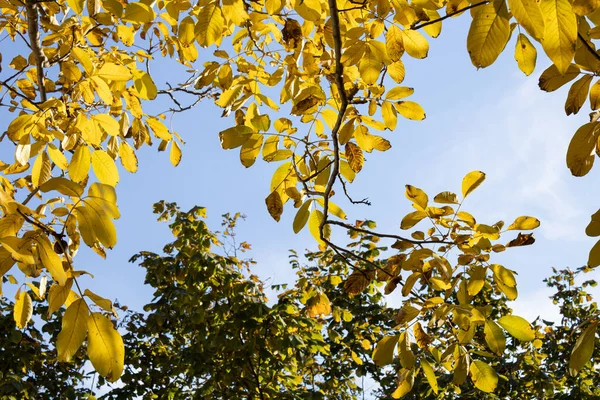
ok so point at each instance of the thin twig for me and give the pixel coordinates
(36, 44)
(385, 235)
(588, 46)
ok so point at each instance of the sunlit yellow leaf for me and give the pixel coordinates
(274, 205)
(525, 54)
(175, 154)
(105, 347)
(57, 295)
(139, 13)
(430, 375)
(74, 330)
(355, 156)
(394, 43)
(529, 15)
(410, 110)
(105, 168)
(415, 43)
(23, 309)
(417, 196)
(489, 33)
(524, 224)
(560, 32)
(471, 181)
(210, 25)
(76, 5)
(51, 261)
(144, 85)
(483, 376)
(80, 164)
(114, 72)
(128, 157)
(517, 327)
(301, 217)
(318, 305)
(494, 337)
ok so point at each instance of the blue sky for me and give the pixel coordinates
(495, 120)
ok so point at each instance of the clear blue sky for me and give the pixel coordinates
(495, 120)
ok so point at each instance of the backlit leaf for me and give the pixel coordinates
(471, 181)
(489, 33)
(560, 32)
(384, 351)
(524, 224)
(74, 330)
(525, 54)
(517, 327)
(483, 376)
(105, 168)
(23, 309)
(583, 349)
(105, 347)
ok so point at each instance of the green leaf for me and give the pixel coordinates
(301, 217)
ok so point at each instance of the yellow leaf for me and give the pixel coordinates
(102, 89)
(560, 32)
(57, 295)
(126, 34)
(394, 43)
(80, 164)
(430, 375)
(186, 31)
(63, 186)
(384, 350)
(405, 383)
(593, 228)
(484, 377)
(115, 72)
(396, 71)
(415, 44)
(595, 96)
(356, 282)
(388, 112)
(210, 25)
(314, 224)
(399, 92)
(369, 67)
(95, 225)
(42, 169)
(250, 149)
(529, 15)
(525, 54)
(517, 327)
(144, 85)
(175, 154)
(594, 257)
(100, 301)
(51, 261)
(551, 79)
(446, 198)
(318, 305)
(74, 330)
(57, 157)
(105, 168)
(274, 205)
(105, 347)
(494, 337)
(580, 154)
(159, 129)
(301, 217)
(410, 110)
(76, 5)
(128, 157)
(139, 13)
(583, 349)
(23, 309)
(524, 224)
(407, 357)
(355, 156)
(107, 123)
(578, 94)
(477, 279)
(433, 30)
(489, 33)
(471, 181)
(585, 7)
(235, 136)
(417, 196)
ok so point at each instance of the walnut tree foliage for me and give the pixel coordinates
(210, 332)
(79, 82)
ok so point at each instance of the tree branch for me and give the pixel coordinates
(36, 44)
(385, 235)
(339, 81)
(435, 21)
(588, 46)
